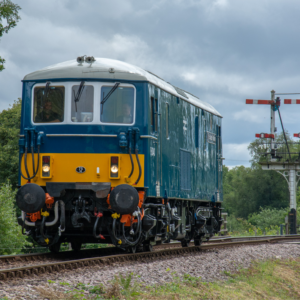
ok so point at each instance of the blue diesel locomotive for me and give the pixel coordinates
(111, 153)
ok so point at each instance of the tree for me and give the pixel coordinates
(248, 189)
(9, 15)
(10, 120)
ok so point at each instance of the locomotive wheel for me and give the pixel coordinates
(148, 248)
(185, 243)
(55, 248)
(197, 242)
(76, 246)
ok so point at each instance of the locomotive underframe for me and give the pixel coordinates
(164, 220)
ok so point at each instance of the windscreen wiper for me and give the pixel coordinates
(44, 96)
(78, 95)
(108, 95)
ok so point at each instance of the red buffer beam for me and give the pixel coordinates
(264, 135)
(257, 101)
(291, 101)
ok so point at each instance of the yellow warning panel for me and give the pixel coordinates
(78, 167)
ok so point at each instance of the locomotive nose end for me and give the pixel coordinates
(30, 198)
(124, 199)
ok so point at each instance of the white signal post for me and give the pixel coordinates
(272, 122)
(288, 169)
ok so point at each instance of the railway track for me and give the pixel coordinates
(70, 260)
(67, 255)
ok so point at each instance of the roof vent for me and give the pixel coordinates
(111, 70)
(154, 75)
(180, 92)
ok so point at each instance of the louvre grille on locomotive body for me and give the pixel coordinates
(111, 153)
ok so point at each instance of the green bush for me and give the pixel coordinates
(238, 225)
(267, 217)
(11, 238)
(10, 120)
(266, 221)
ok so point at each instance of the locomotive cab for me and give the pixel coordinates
(106, 157)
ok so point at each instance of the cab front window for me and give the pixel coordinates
(82, 103)
(117, 105)
(49, 104)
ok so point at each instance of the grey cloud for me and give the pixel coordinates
(223, 51)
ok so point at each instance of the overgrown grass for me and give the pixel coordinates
(273, 279)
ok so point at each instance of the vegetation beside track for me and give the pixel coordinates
(273, 279)
(11, 238)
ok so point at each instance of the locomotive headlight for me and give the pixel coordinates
(114, 169)
(46, 168)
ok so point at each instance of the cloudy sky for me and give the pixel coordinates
(223, 51)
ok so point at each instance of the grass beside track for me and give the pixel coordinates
(273, 279)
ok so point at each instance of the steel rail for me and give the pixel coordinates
(103, 251)
(40, 269)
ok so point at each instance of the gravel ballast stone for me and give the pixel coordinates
(209, 265)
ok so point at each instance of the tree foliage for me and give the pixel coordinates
(248, 189)
(10, 120)
(267, 217)
(8, 15)
(11, 238)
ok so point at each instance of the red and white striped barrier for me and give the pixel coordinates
(264, 135)
(291, 101)
(257, 101)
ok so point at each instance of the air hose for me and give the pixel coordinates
(114, 230)
(42, 228)
(33, 164)
(129, 150)
(35, 171)
(136, 138)
(62, 216)
(100, 236)
(140, 168)
(139, 226)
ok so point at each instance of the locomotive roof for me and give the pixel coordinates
(105, 68)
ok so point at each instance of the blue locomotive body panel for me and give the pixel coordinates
(182, 154)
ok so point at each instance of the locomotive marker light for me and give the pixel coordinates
(289, 170)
